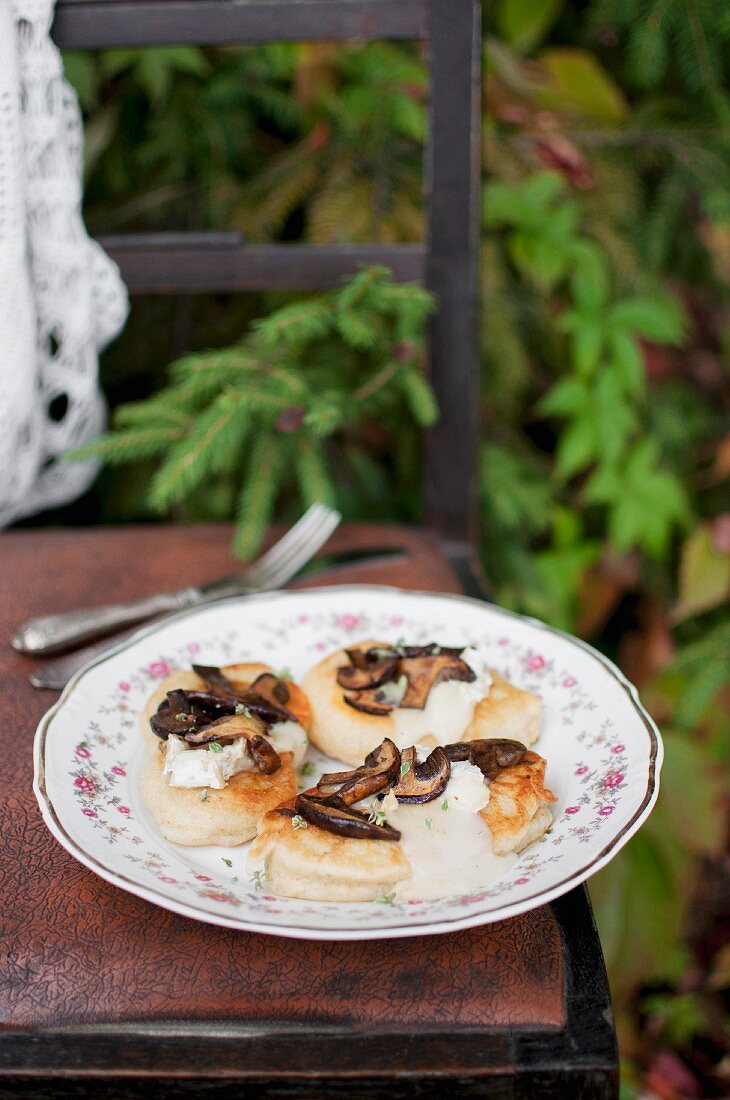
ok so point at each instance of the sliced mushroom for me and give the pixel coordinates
(368, 702)
(379, 770)
(459, 751)
(166, 722)
(335, 816)
(274, 692)
(216, 679)
(227, 728)
(425, 672)
(179, 702)
(422, 782)
(264, 755)
(492, 755)
(375, 673)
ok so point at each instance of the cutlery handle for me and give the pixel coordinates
(52, 633)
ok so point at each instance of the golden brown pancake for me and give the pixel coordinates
(229, 816)
(517, 811)
(506, 711)
(317, 865)
(347, 734)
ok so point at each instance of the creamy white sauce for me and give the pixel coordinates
(446, 841)
(449, 708)
(186, 766)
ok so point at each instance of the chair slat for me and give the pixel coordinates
(172, 264)
(97, 24)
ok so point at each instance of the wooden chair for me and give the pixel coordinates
(539, 1018)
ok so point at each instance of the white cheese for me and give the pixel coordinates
(186, 766)
(448, 710)
(289, 737)
(189, 767)
(446, 841)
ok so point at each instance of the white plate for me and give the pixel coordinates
(603, 753)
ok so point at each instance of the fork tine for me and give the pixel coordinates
(293, 538)
(268, 571)
(273, 577)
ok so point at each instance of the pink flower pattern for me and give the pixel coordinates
(599, 789)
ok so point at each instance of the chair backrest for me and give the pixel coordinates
(174, 263)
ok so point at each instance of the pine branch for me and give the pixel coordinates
(266, 407)
(258, 494)
(132, 446)
(200, 454)
(315, 480)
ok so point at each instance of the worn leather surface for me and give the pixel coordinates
(75, 950)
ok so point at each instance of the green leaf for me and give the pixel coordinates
(524, 23)
(576, 448)
(587, 344)
(659, 319)
(589, 281)
(582, 83)
(627, 362)
(566, 398)
(704, 575)
(537, 257)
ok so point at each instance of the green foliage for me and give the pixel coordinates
(601, 395)
(261, 415)
(605, 343)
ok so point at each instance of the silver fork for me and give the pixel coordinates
(53, 633)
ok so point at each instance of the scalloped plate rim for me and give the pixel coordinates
(433, 927)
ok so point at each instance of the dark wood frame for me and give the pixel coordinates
(183, 263)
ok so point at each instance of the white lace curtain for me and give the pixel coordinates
(61, 298)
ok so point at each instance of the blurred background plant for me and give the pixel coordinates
(605, 350)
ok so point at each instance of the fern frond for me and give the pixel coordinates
(128, 446)
(201, 453)
(150, 414)
(419, 395)
(315, 480)
(296, 324)
(258, 494)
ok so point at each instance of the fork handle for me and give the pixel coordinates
(53, 633)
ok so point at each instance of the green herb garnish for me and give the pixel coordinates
(257, 880)
(241, 708)
(445, 804)
(215, 746)
(203, 795)
(307, 769)
(377, 817)
(298, 822)
(386, 899)
(228, 862)
(406, 767)
(428, 823)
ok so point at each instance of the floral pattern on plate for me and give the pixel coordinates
(603, 756)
